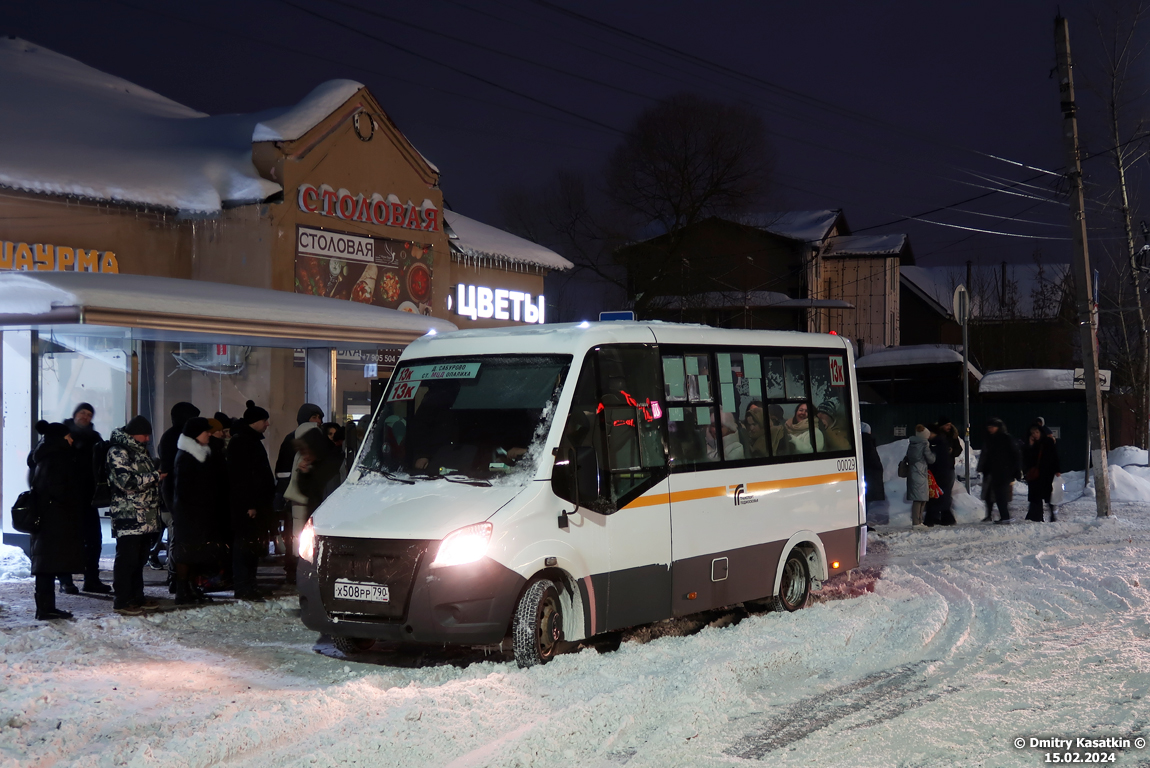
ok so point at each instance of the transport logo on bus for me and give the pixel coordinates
(740, 494)
(838, 374)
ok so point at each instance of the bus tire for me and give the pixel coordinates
(349, 646)
(795, 584)
(537, 629)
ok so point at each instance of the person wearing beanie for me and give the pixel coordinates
(1000, 464)
(58, 546)
(226, 421)
(918, 456)
(85, 441)
(195, 500)
(134, 479)
(251, 489)
(835, 436)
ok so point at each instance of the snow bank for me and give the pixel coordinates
(14, 564)
(1127, 455)
(1124, 485)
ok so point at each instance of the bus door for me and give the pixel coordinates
(613, 441)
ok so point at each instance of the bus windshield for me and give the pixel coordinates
(481, 418)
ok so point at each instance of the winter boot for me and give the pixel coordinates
(67, 586)
(183, 592)
(94, 585)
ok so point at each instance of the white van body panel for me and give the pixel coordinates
(373, 506)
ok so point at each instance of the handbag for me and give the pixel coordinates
(934, 490)
(26, 513)
(904, 468)
(1032, 473)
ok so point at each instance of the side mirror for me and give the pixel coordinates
(576, 479)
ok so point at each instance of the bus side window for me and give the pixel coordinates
(691, 422)
(828, 393)
(631, 411)
(791, 413)
(736, 393)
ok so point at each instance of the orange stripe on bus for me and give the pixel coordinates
(722, 490)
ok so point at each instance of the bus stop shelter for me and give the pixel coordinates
(137, 344)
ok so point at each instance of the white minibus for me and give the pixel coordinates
(553, 483)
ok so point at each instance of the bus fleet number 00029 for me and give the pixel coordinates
(846, 465)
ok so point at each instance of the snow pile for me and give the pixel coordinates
(315, 107)
(1124, 485)
(70, 129)
(967, 508)
(14, 564)
(1127, 455)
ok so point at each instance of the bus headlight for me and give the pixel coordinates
(307, 542)
(463, 546)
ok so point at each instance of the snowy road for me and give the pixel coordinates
(971, 638)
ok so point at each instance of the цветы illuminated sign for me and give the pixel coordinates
(40, 257)
(476, 301)
(377, 209)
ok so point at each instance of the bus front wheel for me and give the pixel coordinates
(795, 585)
(537, 629)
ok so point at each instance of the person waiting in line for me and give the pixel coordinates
(319, 469)
(797, 439)
(220, 529)
(918, 456)
(251, 490)
(195, 500)
(226, 421)
(167, 449)
(309, 416)
(1042, 467)
(134, 479)
(939, 511)
(1000, 465)
(85, 438)
(58, 546)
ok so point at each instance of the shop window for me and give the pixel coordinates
(828, 393)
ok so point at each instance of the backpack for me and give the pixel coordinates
(26, 513)
(103, 494)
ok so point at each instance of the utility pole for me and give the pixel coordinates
(1087, 319)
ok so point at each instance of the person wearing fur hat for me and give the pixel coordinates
(134, 479)
(1000, 464)
(251, 489)
(195, 500)
(58, 546)
(918, 456)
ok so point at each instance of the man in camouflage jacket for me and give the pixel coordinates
(135, 483)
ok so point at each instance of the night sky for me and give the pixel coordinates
(896, 104)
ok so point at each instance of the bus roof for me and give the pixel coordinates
(577, 338)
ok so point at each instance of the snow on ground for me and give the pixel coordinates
(957, 641)
(1127, 455)
(14, 564)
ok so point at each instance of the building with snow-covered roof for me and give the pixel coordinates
(325, 198)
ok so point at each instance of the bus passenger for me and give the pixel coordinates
(756, 433)
(833, 432)
(798, 429)
(778, 429)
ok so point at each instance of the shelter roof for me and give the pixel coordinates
(1028, 380)
(171, 309)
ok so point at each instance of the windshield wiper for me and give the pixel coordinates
(465, 480)
(390, 475)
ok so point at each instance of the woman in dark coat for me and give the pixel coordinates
(940, 511)
(58, 547)
(872, 466)
(1041, 458)
(195, 501)
(319, 467)
(1000, 465)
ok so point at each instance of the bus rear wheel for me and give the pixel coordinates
(795, 585)
(537, 629)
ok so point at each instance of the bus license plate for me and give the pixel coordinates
(354, 590)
